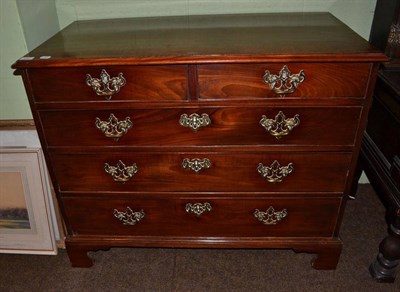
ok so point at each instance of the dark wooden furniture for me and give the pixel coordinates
(380, 159)
(380, 153)
(385, 30)
(227, 131)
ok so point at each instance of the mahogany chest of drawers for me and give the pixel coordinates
(225, 131)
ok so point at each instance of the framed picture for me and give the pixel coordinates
(25, 219)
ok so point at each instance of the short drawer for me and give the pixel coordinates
(201, 172)
(314, 126)
(206, 217)
(145, 83)
(235, 81)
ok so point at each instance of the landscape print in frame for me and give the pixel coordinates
(25, 219)
(13, 209)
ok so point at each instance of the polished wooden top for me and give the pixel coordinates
(203, 39)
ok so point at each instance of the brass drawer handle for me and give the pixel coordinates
(280, 126)
(274, 173)
(112, 128)
(270, 216)
(284, 83)
(198, 208)
(121, 172)
(196, 164)
(194, 121)
(129, 217)
(106, 86)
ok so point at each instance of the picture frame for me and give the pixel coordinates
(26, 225)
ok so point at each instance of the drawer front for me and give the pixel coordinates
(206, 217)
(228, 126)
(147, 83)
(235, 81)
(201, 172)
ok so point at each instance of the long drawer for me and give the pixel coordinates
(136, 83)
(189, 126)
(201, 172)
(206, 217)
(235, 81)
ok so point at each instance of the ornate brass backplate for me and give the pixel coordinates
(194, 121)
(105, 85)
(285, 82)
(121, 172)
(280, 126)
(112, 128)
(274, 173)
(196, 164)
(129, 217)
(198, 208)
(270, 216)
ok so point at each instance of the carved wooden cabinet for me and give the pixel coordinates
(226, 131)
(380, 150)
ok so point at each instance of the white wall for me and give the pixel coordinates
(39, 20)
(13, 100)
(357, 14)
(24, 24)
